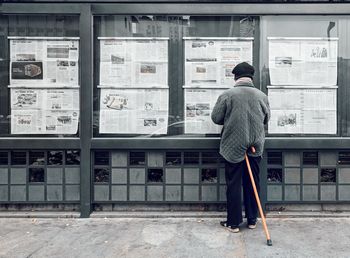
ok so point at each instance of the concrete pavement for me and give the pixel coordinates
(171, 237)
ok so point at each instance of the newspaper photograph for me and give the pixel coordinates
(150, 74)
(39, 61)
(285, 121)
(133, 62)
(303, 111)
(303, 61)
(134, 111)
(202, 73)
(210, 62)
(199, 104)
(28, 70)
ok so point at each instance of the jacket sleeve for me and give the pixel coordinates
(219, 111)
(267, 112)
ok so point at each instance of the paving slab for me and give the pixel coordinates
(171, 237)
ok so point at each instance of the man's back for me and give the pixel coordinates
(243, 110)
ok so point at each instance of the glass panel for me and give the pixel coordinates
(36, 158)
(3, 158)
(344, 158)
(36, 175)
(274, 175)
(310, 158)
(101, 157)
(139, 73)
(173, 158)
(18, 158)
(191, 158)
(209, 175)
(304, 67)
(274, 158)
(101, 175)
(55, 157)
(73, 157)
(210, 157)
(155, 175)
(328, 175)
(137, 158)
(43, 51)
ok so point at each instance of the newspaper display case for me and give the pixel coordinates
(44, 84)
(93, 163)
(303, 91)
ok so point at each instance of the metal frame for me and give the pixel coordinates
(86, 94)
(86, 142)
(319, 166)
(218, 164)
(26, 166)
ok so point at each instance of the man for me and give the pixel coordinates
(243, 111)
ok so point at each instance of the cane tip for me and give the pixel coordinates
(269, 242)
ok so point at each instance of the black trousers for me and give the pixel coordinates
(237, 175)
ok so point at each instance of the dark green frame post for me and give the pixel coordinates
(86, 96)
(263, 181)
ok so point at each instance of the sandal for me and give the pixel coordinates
(231, 228)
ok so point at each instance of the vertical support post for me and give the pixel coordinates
(263, 181)
(86, 103)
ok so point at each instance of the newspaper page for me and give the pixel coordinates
(303, 61)
(134, 111)
(199, 104)
(39, 61)
(133, 62)
(303, 111)
(44, 111)
(209, 62)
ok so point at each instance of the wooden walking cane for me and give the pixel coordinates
(268, 238)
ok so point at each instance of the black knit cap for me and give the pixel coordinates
(243, 70)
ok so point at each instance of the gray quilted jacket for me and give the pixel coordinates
(243, 111)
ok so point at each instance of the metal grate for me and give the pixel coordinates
(159, 176)
(344, 158)
(40, 176)
(310, 158)
(322, 176)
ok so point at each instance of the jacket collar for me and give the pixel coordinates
(244, 82)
